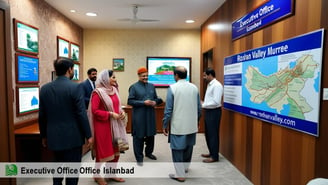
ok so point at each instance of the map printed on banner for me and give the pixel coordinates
(279, 83)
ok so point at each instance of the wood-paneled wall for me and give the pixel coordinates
(265, 153)
(7, 153)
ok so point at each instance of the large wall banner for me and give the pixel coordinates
(278, 83)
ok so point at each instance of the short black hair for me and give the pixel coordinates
(91, 70)
(61, 65)
(182, 74)
(110, 73)
(210, 71)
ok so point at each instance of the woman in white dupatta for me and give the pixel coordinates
(107, 122)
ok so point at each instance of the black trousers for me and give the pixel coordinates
(212, 130)
(138, 146)
(70, 155)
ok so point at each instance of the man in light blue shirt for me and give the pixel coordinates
(182, 111)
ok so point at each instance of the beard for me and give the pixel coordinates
(71, 75)
(94, 78)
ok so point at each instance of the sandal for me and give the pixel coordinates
(100, 181)
(116, 179)
(172, 176)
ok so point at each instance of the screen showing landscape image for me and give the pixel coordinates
(160, 69)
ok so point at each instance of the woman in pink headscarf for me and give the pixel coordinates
(107, 120)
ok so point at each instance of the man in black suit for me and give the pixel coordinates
(88, 85)
(63, 121)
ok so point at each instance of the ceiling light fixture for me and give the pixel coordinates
(135, 18)
(72, 11)
(217, 27)
(91, 14)
(190, 21)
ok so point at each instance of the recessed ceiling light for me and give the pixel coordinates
(91, 14)
(190, 21)
(73, 11)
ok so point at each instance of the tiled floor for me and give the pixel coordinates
(156, 172)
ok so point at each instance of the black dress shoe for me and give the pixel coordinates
(139, 163)
(151, 156)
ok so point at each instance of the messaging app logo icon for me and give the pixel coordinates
(11, 170)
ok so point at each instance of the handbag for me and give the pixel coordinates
(119, 134)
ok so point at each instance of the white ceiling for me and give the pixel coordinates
(170, 13)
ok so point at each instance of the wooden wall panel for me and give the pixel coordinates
(4, 140)
(256, 150)
(7, 140)
(321, 162)
(6, 108)
(226, 128)
(239, 154)
(276, 165)
(267, 150)
(269, 154)
(308, 152)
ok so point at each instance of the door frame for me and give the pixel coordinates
(207, 61)
(7, 139)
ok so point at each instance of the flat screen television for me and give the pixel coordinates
(160, 69)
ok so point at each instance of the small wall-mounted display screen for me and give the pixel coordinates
(160, 69)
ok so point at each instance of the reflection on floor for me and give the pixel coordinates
(218, 173)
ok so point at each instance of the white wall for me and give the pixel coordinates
(101, 46)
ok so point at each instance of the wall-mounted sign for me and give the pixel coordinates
(26, 38)
(269, 12)
(27, 99)
(27, 68)
(75, 52)
(118, 64)
(62, 47)
(278, 83)
(76, 69)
